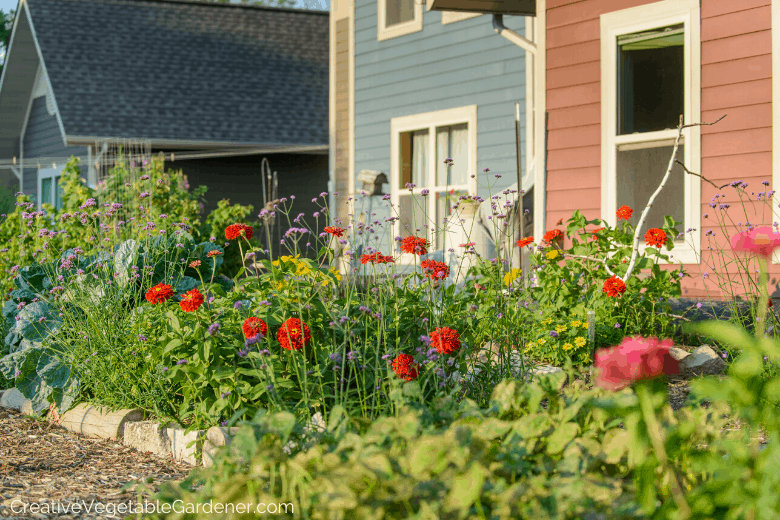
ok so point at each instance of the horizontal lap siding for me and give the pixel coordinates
(441, 67)
(736, 81)
(574, 106)
(44, 139)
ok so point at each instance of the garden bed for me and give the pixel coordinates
(43, 464)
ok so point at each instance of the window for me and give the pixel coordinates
(650, 75)
(398, 17)
(49, 190)
(420, 144)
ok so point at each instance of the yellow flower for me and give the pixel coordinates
(541, 341)
(511, 276)
(561, 328)
(580, 341)
(552, 255)
(547, 321)
(575, 324)
(278, 285)
(529, 346)
(567, 346)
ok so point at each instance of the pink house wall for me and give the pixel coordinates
(735, 80)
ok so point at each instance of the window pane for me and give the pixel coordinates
(414, 158)
(46, 191)
(398, 11)
(452, 142)
(639, 173)
(651, 80)
(445, 201)
(412, 210)
(58, 193)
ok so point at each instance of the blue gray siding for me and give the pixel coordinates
(440, 67)
(43, 139)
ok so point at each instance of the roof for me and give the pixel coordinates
(186, 70)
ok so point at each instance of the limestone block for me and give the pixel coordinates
(181, 446)
(533, 373)
(13, 399)
(216, 437)
(703, 361)
(94, 421)
(148, 436)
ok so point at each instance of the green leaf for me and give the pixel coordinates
(615, 445)
(172, 345)
(466, 488)
(125, 256)
(562, 436)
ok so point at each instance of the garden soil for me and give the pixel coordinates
(53, 468)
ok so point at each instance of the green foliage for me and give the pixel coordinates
(224, 215)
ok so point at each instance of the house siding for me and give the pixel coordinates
(43, 139)
(441, 67)
(735, 80)
(736, 77)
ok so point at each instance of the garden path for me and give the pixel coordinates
(50, 466)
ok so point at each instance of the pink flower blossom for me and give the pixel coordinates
(760, 240)
(634, 359)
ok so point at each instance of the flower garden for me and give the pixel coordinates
(365, 387)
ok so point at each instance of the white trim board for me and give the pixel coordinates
(776, 108)
(637, 19)
(540, 116)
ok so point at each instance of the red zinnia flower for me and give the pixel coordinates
(655, 238)
(293, 334)
(335, 231)
(634, 359)
(435, 270)
(524, 241)
(159, 293)
(376, 258)
(414, 245)
(624, 213)
(191, 300)
(254, 326)
(552, 235)
(234, 231)
(445, 340)
(405, 367)
(614, 287)
(594, 237)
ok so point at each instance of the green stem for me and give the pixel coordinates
(656, 438)
(763, 300)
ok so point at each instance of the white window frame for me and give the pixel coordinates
(47, 173)
(448, 17)
(430, 121)
(394, 31)
(637, 19)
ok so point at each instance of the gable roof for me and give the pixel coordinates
(181, 70)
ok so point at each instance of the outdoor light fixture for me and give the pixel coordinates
(372, 181)
(509, 7)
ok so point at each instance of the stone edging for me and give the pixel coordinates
(129, 427)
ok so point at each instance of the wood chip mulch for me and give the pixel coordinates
(55, 473)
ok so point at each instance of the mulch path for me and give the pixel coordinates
(59, 471)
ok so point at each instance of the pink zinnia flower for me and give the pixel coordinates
(761, 240)
(634, 359)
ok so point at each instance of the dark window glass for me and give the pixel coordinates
(651, 80)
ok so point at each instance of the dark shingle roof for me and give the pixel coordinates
(176, 69)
